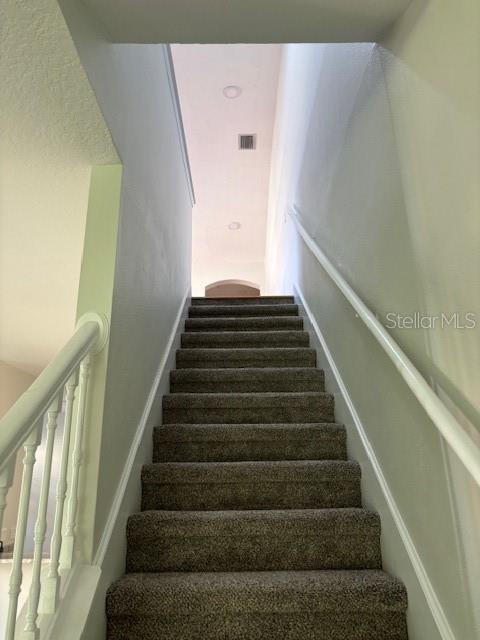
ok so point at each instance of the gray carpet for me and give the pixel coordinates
(252, 526)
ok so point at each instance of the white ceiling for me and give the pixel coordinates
(210, 21)
(52, 132)
(230, 185)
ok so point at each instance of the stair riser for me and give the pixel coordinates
(298, 553)
(202, 311)
(253, 541)
(273, 323)
(244, 339)
(246, 380)
(246, 386)
(226, 443)
(337, 625)
(251, 495)
(264, 300)
(270, 415)
(226, 358)
(332, 449)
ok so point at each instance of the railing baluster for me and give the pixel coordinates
(21, 428)
(51, 583)
(6, 480)
(30, 447)
(66, 560)
(31, 630)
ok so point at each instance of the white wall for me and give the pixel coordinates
(152, 270)
(13, 382)
(385, 180)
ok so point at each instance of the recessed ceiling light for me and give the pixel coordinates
(232, 91)
(234, 226)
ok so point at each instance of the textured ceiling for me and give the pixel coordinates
(51, 132)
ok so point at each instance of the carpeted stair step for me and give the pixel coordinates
(252, 523)
(248, 379)
(265, 357)
(253, 540)
(292, 605)
(228, 310)
(262, 300)
(306, 484)
(241, 442)
(201, 408)
(259, 323)
(244, 339)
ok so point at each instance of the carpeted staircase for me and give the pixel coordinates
(252, 525)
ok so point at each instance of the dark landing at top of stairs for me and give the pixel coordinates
(252, 524)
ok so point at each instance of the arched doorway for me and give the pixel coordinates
(232, 289)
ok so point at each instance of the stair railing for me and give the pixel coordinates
(449, 427)
(31, 421)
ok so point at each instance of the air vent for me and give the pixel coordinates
(247, 141)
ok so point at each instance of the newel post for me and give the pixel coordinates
(79, 429)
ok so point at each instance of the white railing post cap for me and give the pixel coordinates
(103, 324)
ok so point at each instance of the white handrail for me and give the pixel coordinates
(18, 422)
(452, 431)
(22, 427)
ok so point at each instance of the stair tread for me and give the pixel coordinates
(242, 310)
(246, 379)
(251, 471)
(262, 333)
(181, 593)
(283, 484)
(199, 339)
(189, 524)
(256, 323)
(252, 407)
(256, 350)
(249, 399)
(253, 540)
(246, 431)
(235, 373)
(213, 357)
(249, 441)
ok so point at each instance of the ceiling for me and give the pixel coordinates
(52, 132)
(211, 21)
(231, 185)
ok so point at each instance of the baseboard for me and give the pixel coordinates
(109, 559)
(162, 370)
(327, 362)
(162, 373)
